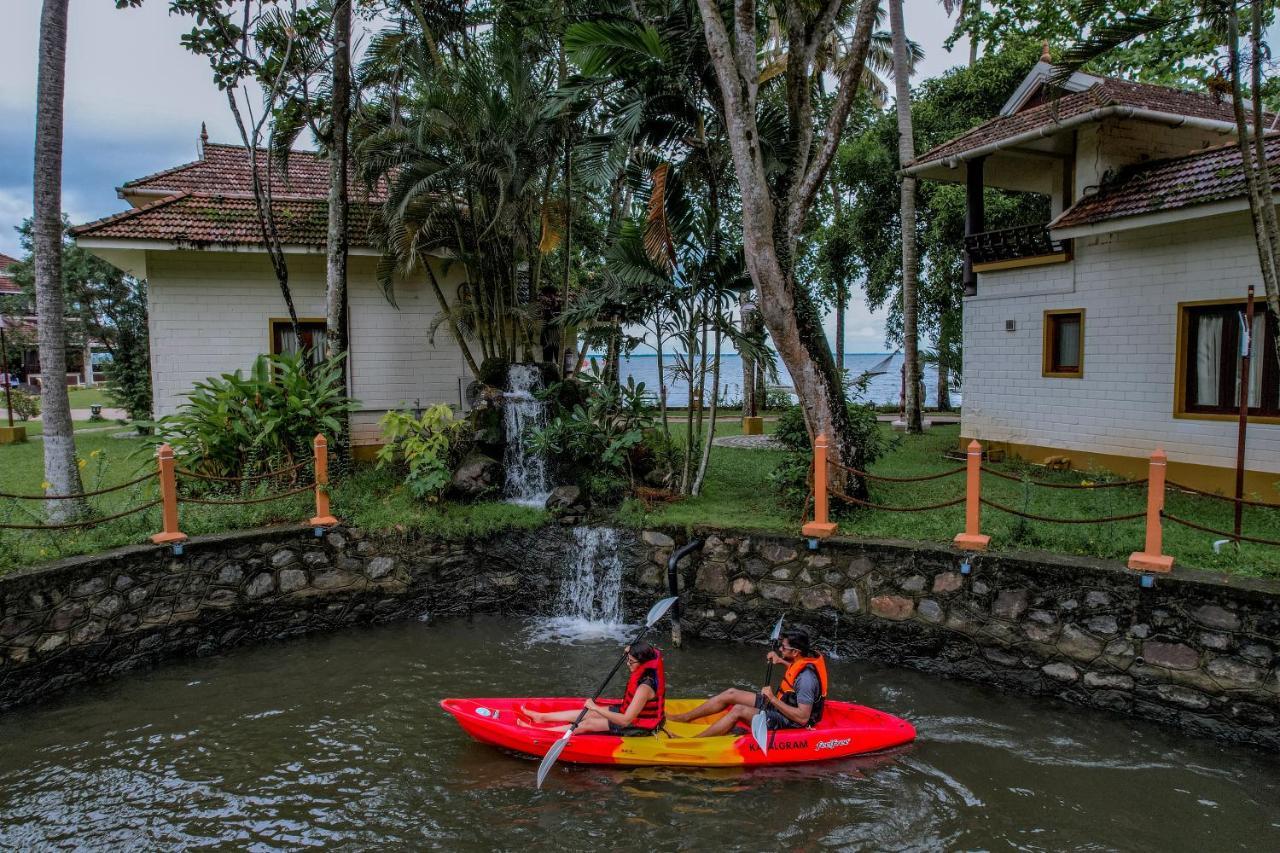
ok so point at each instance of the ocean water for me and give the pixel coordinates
(883, 388)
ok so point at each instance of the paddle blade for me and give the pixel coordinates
(552, 755)
(760, 732)
(777, 631)
(658, 610)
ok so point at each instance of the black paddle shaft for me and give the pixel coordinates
(605, 684)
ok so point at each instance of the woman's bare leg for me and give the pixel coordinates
(593, 723)
(716, 704)
(554, 716)
(722, 726)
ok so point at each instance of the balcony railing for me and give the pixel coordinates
(1021, 246)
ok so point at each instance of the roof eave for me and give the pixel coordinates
(88, 241)
(1148, 220)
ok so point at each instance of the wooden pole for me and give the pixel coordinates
(4, 363)
(169, 498)
(1246, 353)
(1150, 559)
(322, 518)
(973, 539)
(821, 526)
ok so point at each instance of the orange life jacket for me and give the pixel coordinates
(651, 715)
(787, 690)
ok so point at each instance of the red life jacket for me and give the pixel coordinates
(651, 715)
(787, 690)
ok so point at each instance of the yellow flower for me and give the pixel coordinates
(96, 453)
(81, 463)
(46, 485)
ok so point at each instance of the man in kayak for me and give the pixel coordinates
(797, 705)
(639, 713)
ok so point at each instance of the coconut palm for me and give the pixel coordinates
(907, 190)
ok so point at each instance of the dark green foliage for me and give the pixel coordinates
(791, 476)
(129, 375)
(493, 372)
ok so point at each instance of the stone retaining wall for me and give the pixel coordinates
(1195, 650)
(90, 617)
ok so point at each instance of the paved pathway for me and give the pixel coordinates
(748, 442)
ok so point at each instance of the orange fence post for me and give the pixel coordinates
(821, 527)
(971, 539)
(168, 498)
(1150, 559)
(323, 518)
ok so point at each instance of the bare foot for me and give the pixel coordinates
(532, 715)
(680, 718)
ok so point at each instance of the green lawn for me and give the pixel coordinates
(83, 398)
(37, 427)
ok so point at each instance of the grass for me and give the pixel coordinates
(37, 427)
(83, 398)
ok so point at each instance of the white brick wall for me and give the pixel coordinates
(1129, 284)
(210, 314)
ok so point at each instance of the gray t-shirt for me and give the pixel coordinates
(808, 688)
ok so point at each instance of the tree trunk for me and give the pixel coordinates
(974, 16)
(662, 377)
(910, 261)
(842, 296)
(336, 303)
(711, 429)
(748, 362)
(944, 381)
(60, 470)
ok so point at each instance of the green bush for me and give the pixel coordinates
(429, 446)
(25, 406)
(791, 476)
(235, 425)
(129, 374)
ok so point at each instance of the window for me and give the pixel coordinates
(1209, 350)
(311, 332)
(1064, 343)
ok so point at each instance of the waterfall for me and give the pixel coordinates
(521, 413)
(590, 602)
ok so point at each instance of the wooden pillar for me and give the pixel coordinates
(323, 518)
(821, 526)
(1150, 559)
(170, 535)
(974, 217)
(972, 539)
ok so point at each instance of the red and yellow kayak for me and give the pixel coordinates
(846, 729)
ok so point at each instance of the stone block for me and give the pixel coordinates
(859, 566)
(1170, 655)
(743, 586)
(333, 580)
(1103, 625)
(1078, 645)
(335, 540)
(777, 592)
(66, 616)
(292, 580)
(51, 643)
(123, 582)
(1215, 641)
(850, 601)
(315, 559)
(931, 611)
(92, 586)
(1097, 599)
(775, 553)
(380, 567)
(1252, 652)
(818, 561)
(893, 607)
(915, 583)
(262, 585)
(817, 598)
(1232, 672)
(230, 575)
(946, 582)
(1108, 681)
(1063, 672)
(88, 632)
(1212, 616)
(713, 577)
(137, 595)
(657, 539)
(1009, 604)
(1040, 633)
(1183, 697)
(284, 557)
(756, 567)
(1119, 653)
(108, 607)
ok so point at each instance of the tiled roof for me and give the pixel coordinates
(205, 219)
(8, 286)
(225, 169)
(1107, 92)
(1206, 176)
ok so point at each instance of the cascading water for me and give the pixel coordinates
(522, 413)
(590, 602)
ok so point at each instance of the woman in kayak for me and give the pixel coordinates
(639, 713)
(797, 705)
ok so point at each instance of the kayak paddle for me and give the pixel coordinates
(759, 723)
(655, 613)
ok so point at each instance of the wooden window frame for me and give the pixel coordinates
(274, 322)
(1182, 381)
(1046, 350)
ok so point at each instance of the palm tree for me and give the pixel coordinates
(61, 474)
(968, 14)
(910, 259)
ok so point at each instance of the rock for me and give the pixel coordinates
(1120, 653)
(12, 626)
(1002, 657)
(292, 580)
(743, 586)
(850, 602)
(1097, 599)
(777, 592)
(930, 611)
(1217, 642)
(66, 616)
(657, 539)
(757, 568)
(712, 577)
(1233, 672)
(947, 582)
(1140, 630)
(818, 561)
(336, 540)
(123, 582)
(137, 595)
(380, 567)
(478, 475)
(782, 574)
(51, 642)
(93, 586)
(652, 577)
(1254, 652)
(88, 632)
(333, 580)
(229, 575)
(282, 558)
(1182, 696)
(565, 498)
(260, 586)
(1212, 616)
(315, 559)
(776, 553)
(1009, 604)
(1040, 633)
(858, 567)
(108, 606)
(915, 583)
(1104, 625)
(1078, 645)
(817, 598)
(893, 607)
(1108, 681)
(1170, 655)
(1063, 672)
(980, 588)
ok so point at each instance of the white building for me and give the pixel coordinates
(1114, 329)
(214, 302)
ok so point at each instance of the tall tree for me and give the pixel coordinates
(61, 473)
(774, 210)
(339, 146)
(907, 216)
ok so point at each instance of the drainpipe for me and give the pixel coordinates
(673, 584)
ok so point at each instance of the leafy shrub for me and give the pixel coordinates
(129, 374)
(776, 399)
(235, 425)
(25, 406)
(600, 436)
(791, 476)
(429, 446)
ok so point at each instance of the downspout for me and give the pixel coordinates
(673, 584)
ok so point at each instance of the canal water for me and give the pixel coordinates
(338, 741)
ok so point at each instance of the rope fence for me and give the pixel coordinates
(253, 478)
(88, 522)
(247, 501)
(1150, 558)
(81, 495)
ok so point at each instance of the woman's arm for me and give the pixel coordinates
(643, 694)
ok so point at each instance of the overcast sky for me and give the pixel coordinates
(136, 98)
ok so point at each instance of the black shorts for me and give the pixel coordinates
(627, 731)
(773, 718)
